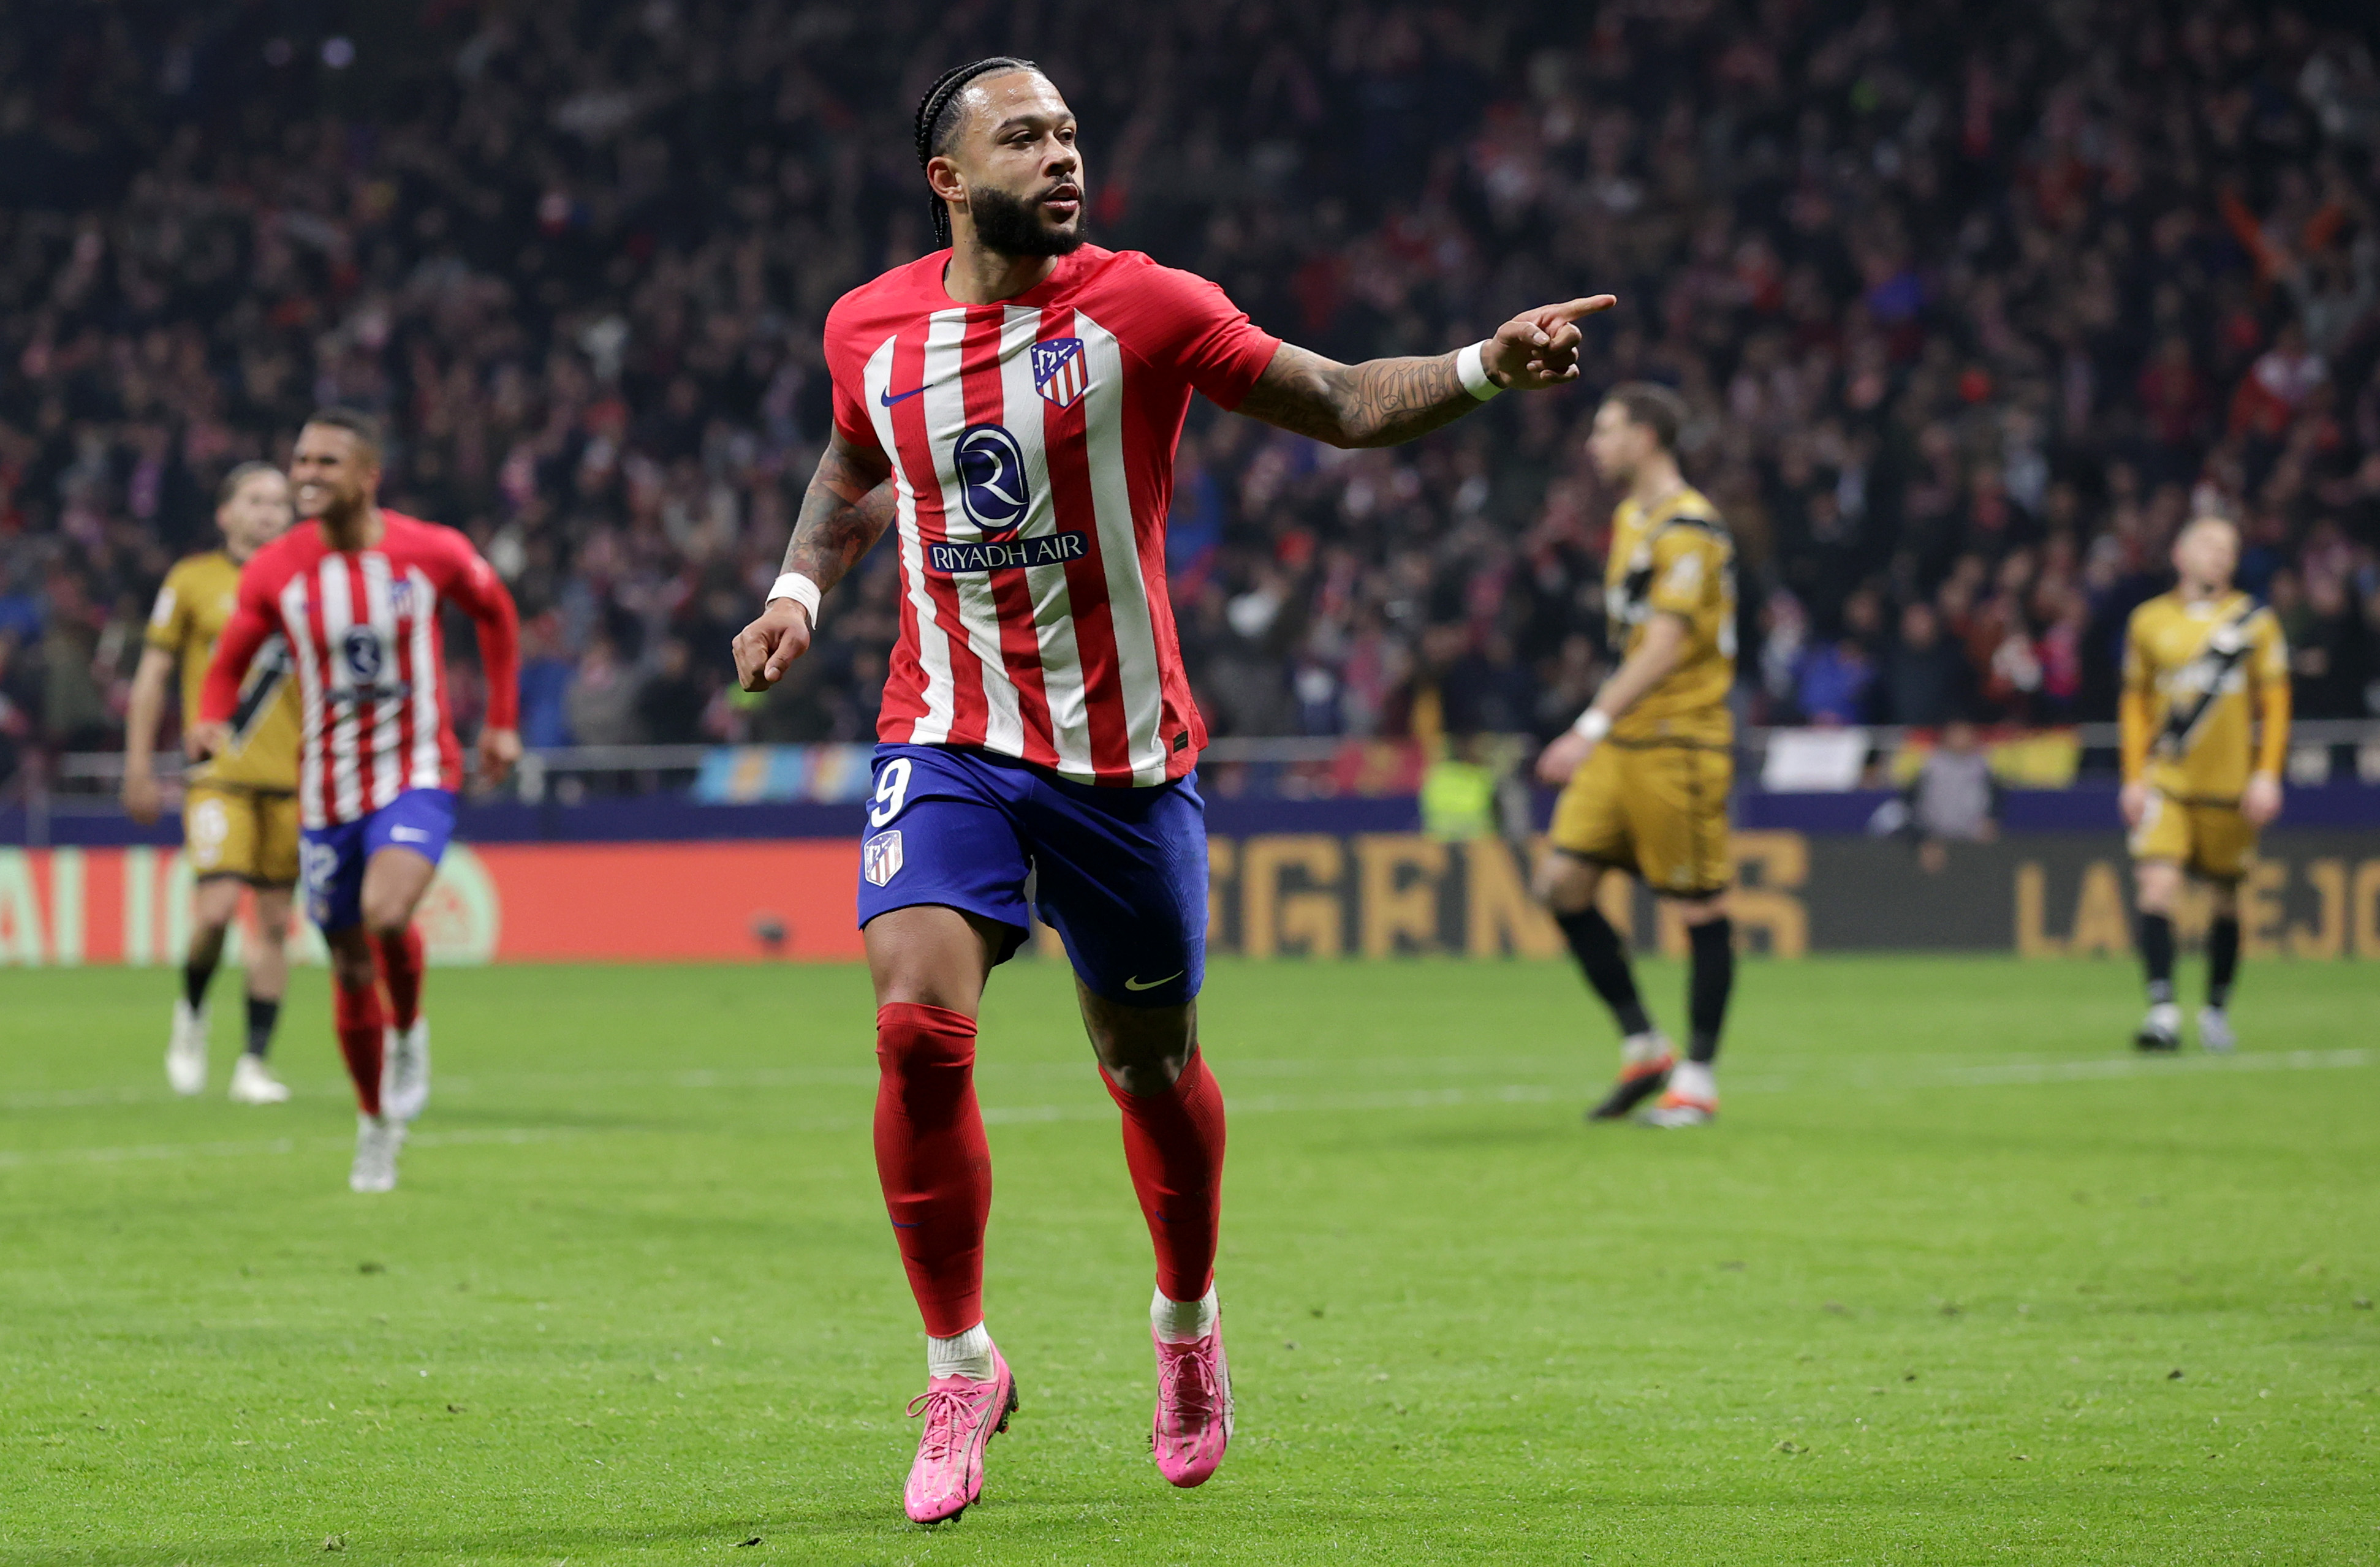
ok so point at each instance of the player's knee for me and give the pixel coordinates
(1566, 885)
(387, 914)
(1143, 1048)
(1700, 910)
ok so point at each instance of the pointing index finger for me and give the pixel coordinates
(1593, 303)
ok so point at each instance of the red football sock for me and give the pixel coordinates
(359, 1018)
(1173, 1141)
(932, 1158)
(401, 962)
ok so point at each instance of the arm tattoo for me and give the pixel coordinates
(846, 509)
(1377, 403)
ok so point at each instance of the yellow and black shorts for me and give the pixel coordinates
(1656, 808)
(2207, 838)
(233, 830)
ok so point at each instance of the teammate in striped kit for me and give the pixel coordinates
(357, 596)
(1010, 407)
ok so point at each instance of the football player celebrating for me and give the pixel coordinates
(357, 596)
(1644, 772)
(239, 812)
(1010, 407)
(2206, 725)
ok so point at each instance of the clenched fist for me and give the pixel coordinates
(767, 648)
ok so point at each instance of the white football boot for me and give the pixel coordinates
(2215, 1031)
(186, 1050)
(377, 1139)
(404, 1072)
(1690, 1100)
(2160, 1031)
(252, 1082)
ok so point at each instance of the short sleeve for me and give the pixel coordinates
(1180, 318)
(2272, 650)
(169, 620)
(2138, 676)
(851, 420)
(847, 364)
(1684, 564)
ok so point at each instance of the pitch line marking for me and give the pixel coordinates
(1860, 1072)
(2006, 1075)
(137, 1151)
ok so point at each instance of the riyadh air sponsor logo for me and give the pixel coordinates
(880, 858)
(361, 647)
(1061, 373)
(1043, 549)
(991, 478)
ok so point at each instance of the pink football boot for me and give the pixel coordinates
(1194, 1407)
(962, 1415)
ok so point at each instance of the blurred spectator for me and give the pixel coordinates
(1928, 677)
(670, 700)
(1831, 685)
(601, 708)
(545, 684)
(1954, 797)
(1937, 292)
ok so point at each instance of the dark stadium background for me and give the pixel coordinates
(1968, 301)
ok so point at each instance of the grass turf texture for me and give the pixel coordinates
(1955, 1279)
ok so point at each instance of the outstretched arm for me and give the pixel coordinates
(846, 509)
(1387, 402)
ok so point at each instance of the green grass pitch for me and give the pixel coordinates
(1955, 1279)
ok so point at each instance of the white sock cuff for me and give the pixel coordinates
(961, 1355)
(1184, 1322)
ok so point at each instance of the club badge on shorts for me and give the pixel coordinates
(880, 858)
(1060, 374)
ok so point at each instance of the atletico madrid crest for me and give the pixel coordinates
(880, 858)
(1060, 373)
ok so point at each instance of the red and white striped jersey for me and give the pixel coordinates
(1032, 449)
(363, 631)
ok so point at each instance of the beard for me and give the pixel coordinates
(1013, 227)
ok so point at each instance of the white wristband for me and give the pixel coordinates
(1472, 365)
(1593, 724)
(800, 589)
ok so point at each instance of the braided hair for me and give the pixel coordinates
(937, 117)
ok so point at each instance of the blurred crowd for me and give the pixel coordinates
(1973, 306)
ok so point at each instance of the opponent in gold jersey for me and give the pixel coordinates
(1646, 771)
(239, 812)
(2206, 725)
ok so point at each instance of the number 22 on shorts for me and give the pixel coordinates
(892, 791)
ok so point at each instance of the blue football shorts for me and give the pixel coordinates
(1120, 874)
(331, 860)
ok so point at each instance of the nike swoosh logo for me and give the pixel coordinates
(889, 397)
(1152, 984)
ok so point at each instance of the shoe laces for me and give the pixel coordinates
(1186, 1382)
(944, 1409)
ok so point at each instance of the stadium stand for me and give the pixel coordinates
(1967, 333)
